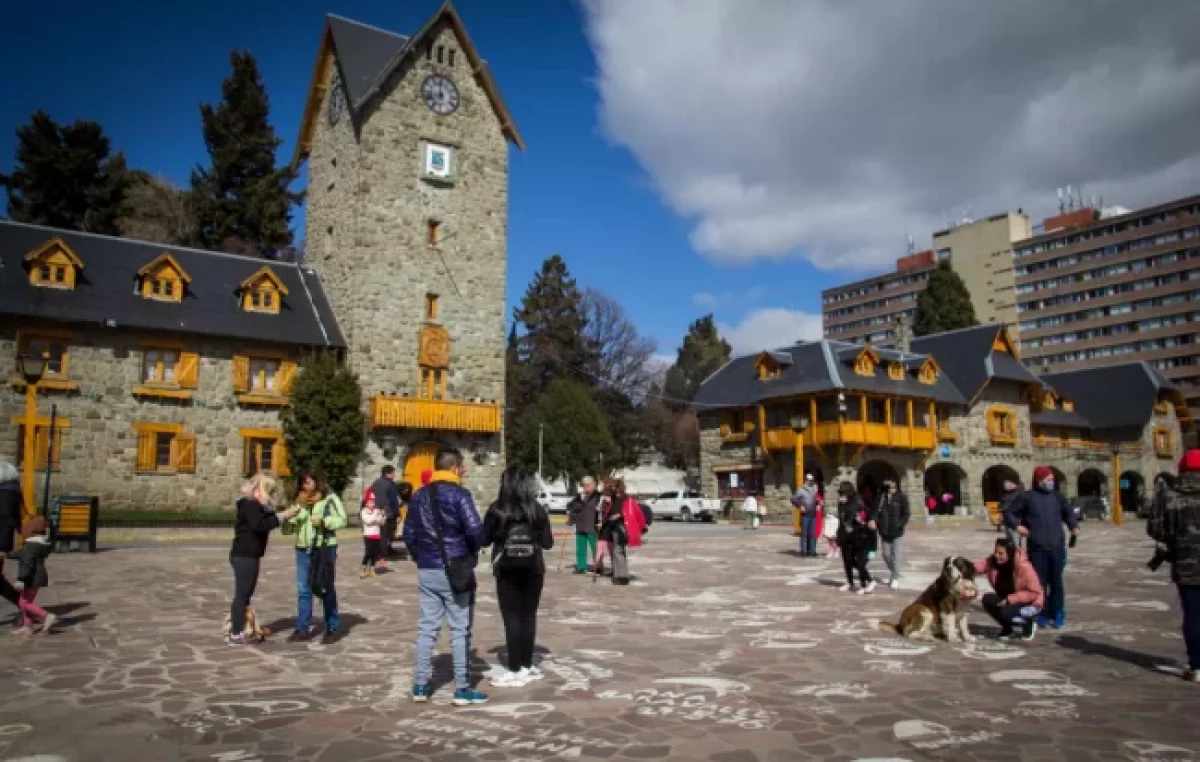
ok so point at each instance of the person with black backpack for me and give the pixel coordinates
(518, 530)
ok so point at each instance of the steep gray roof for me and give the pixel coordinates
(105, 290)
(817, 366)
(966, 355)
(1070, 419)
(363, 53)
(1113, 396)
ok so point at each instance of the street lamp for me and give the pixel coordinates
(32, 367)
(1118, 511)
(799, 423)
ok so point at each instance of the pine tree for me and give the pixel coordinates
(66, 177)
(702, 353)
(576, 439)
(945, 304)
(324, 425)
(242, 200)
(553, 344)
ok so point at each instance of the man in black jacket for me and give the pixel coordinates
(894, 514)
(582, 514)
(387, 497)
(1038, 516)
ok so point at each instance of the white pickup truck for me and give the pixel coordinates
(685, 506)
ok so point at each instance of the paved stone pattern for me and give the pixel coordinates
(726, 650)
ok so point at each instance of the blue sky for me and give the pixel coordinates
(141, 69)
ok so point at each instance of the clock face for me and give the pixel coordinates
(337, 101)
(440, 94)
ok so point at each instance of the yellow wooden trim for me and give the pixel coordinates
(164, 343)
(273, 400)
(50, 381)
(1004, 343)
(895, 371)
(431, 306)
(51, 246)
(260, 433)
(166, 391)
(171, 287)
(269, 300)
(263, 273)
(164, 260)
(141, 427)
(441, 415)
(47, 384)
(42, 420)
(317, 88)
(998, 433)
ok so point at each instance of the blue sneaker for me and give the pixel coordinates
(468, 697)
(1042, 621)
(1059, 621)
(421, 693)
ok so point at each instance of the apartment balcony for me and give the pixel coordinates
(854, 433)
(439, 415)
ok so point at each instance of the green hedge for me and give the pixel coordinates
(159, 518)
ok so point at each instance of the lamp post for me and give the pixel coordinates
(1118, 512)
(799, 424)
(32, 368)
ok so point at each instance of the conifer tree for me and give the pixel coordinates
(66, 177)
(241, 200)
(324, 425)
(576, 439)
(553, 343)
(945, 304)
(702, 353)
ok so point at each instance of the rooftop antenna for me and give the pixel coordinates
(1062, 205)
(1070, 200)
(912, 246)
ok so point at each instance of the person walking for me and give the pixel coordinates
(518, 530)
(621, 526)
(853, 539)
(750, 508)
(32, 576)
(387, 498)
(894, 514)
(319, 515)
(1012, 492)
(11, 505)
(443, 535)
(1038, 515)
(805, 499)
(582, 514)
(372, 518)
(1175, 526)
(1017, 597)
(255, 519)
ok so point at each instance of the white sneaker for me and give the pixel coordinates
(530, 674)
(870, 588)
(508, 679)
(894, 583)
(846, 588)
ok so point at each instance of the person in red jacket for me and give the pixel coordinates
(1017, 597)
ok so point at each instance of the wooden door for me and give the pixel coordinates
(420, 459)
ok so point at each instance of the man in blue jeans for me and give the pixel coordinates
(1175, 525)
(806, 500)
(443, 507)
(1038, 516)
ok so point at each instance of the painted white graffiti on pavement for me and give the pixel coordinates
(694, 707)
(718, 685)
(1040, 683)
(1047, 709)
(895, 647)
(1148, 751)
(857, 691)
(991, 651)
(929, 736)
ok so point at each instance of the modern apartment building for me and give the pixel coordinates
(981, 253)
(1100, 291)
(866, 311)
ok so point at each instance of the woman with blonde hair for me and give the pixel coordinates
(621, 528)
(256, 517)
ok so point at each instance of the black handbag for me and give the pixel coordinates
(322, 570)
(460, 572)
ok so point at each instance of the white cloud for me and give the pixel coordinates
(710, 300)
(770, 328)
(824, 129)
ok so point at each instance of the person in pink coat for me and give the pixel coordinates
(1017, 596)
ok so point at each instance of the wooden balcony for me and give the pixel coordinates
(854, 433)
(441, 415)
(1075, 443)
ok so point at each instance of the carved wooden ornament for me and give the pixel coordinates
(435, 347)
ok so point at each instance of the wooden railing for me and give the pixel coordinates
(1075, 443)
(443, 415)
(854, 432)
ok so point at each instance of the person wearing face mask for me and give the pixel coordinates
(894, 514)
(854, 540)
(1016, 596)
(1012, 492)
(1038, 516)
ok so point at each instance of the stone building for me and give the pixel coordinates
(170, 365)
(956, 413)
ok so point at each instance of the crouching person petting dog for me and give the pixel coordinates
(255, 520)
(1016, 598)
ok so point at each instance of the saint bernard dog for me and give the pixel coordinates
(942, 608)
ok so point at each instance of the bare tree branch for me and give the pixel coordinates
(624, 356)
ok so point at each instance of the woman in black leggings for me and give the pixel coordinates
(518, 530)
(856, 537)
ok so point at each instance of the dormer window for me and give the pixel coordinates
(1048, 401)
(864, 364)
(163, 280)
(53, 265)
(895, 371)
(263, 292)
(928, 372)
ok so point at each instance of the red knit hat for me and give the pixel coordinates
(369, 496)
(1041, 473)
(1190, 461)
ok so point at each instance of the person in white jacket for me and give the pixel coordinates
(372, 518)
(750, 508)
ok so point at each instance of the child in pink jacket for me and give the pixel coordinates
(372, 526)
(1017, 595)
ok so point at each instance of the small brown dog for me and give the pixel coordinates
(942, 608)
(253, 629)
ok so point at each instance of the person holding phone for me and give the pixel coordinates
(1038, 516)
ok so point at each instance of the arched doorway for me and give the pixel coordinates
(993, 488)
(420, 459)
(871, 476)
(1133, 489)
(1060, 480)
(1091, 483)
(942, 481)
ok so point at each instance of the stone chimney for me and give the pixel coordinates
(903, 341)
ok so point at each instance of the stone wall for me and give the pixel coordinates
(99, 448)
(367, 226)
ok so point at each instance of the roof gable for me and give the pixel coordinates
(1092, 392)
(974, 356)
(55, 245)
(164, 260)
(264, 274)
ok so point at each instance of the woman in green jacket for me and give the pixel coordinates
(320, 514)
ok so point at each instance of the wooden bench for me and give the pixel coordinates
(78, 522)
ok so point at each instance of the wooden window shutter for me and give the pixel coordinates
(279, 458)
(147, 456)
(183, 453)
(248, 464)
(287, 375)
(241, 373)
(187, 372)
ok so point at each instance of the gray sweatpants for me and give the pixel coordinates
(439, 603)
(892, 552)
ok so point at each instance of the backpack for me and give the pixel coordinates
(520, 552)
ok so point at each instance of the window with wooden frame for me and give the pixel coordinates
(168, 371)
(928, 372)
(1049, 401)
(53, 265)
(263, 377)
(895, 371)
(431, 307)
(1002, 425)
(1164, 442)
(735, 426)
(264, 450)
(41, 437)
(768, 367)
(53, 347)
(1068, 405)
(433, 232)
(433, 383)
(864, 364)
(164, 448)
(163, 280)
(263, 292)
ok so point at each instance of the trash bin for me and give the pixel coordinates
(73, 520)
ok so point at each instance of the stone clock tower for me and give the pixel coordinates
(406, 140)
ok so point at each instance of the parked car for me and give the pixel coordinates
(685, 506)
(553, 502)
(1090, 507)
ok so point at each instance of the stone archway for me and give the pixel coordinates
(1091, 483)
(1133, 489)
(1060, 480)
(942, 479)
(871, 476)
(992, 488)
